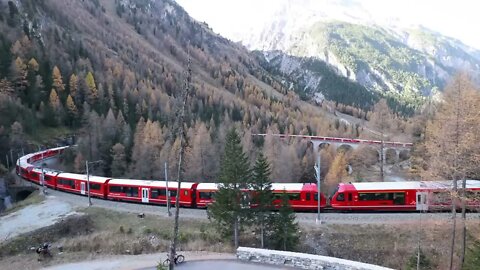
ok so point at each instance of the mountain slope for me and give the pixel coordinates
(111, 72)
(406, 64)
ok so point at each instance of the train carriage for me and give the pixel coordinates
(301, 197)
(376, 196)
(205, 194)
(151, 191)
(402, 196)
(77, 183)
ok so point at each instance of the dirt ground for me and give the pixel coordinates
(34, 217)
(98, 237)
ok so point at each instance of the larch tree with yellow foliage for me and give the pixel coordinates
(452, 149)
(337, 172)
(57, 80)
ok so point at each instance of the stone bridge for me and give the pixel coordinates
(396, 149)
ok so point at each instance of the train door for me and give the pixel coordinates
(421, 201)
(145, 195)
(82, 188)
(349, 199)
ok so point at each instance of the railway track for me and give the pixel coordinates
(328, 216)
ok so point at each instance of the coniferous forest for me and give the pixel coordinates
(111, 76)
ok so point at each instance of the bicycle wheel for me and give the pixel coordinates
(166, 262)
(180, 258)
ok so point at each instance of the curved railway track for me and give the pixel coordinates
(327, 216)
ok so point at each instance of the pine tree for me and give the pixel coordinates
(285, 229)
(228, 210)
(263, 196)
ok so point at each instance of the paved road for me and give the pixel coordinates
(223, 264)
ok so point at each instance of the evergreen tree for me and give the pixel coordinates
(285, 229)
(228, 210)
(263, 196)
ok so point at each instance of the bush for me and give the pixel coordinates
(425, 263)
(472, 257)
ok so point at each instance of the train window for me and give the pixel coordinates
(66, 182)
(206, 195)
(376, 196)
(47, 178)
(95, 186)
(308, 196)
(399, 198)
(315, 197)
(116, 189)
(293, 196)
(154, 193)
(341, 197)
(131, 191)
(350, 197)
(185, 192)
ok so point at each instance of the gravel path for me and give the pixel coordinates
(33, 217)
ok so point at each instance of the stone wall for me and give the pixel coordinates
(301, 260)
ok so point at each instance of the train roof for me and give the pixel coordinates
(151, 183)
(408, 185)
(288, 186)
(83, 177)
(209, 186)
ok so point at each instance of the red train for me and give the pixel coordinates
(371, 196)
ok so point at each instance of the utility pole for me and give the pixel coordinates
(319, 197)
(167, 192)
(88, 185)
(88, 179)
(181, 133)
(42, 179)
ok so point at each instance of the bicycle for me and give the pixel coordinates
(178, 259)
(43, 252)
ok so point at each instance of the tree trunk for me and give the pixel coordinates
(464, 227)
(235, 231)
(454, 223)
(181, 120)
(262, 229)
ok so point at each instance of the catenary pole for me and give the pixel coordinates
(88, 184)
(319, 197)
(167, 192)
